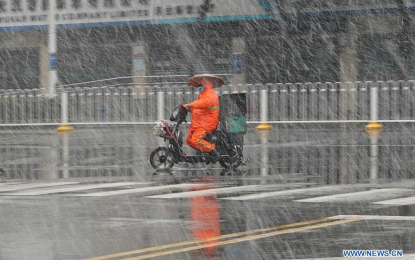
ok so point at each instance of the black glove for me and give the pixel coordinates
(183, 107)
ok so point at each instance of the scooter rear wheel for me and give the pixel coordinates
(234, 160)
(161, 158)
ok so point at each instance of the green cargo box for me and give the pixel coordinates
(232, 113)
(236, 124)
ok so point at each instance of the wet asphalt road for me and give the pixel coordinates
(102, 199)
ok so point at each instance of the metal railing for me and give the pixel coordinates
(338, 102)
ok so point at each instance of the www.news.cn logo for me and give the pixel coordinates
(372, 253)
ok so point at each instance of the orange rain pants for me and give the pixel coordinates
(205, 119)
(196, 140)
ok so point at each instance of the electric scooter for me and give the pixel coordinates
(229, 145)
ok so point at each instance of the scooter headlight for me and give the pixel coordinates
(159, 131)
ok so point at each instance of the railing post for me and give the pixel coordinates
(65, 155)
(160, 104)
(263, 129)
(373, 129)
(64, 113)
(374, 104)
(264, 105)
(264, 125)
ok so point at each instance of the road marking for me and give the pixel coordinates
(375, 217)
(209, 192)
(33, 185)
(75, 188)
(283, 193)
(405, 256)
(360, 196)
(398, 202)
(191, 242)
(139, 190)
(10, 183)
(243, 239)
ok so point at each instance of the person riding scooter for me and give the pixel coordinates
(205, 113)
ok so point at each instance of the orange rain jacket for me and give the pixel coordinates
(205, 111)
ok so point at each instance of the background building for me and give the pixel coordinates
(251, 40)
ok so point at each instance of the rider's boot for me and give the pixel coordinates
(215, 155)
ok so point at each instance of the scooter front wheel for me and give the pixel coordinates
(161, 158)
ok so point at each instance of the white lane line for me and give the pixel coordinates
(33, 185)
(374, 217)
(75, 188)
(209, 192)
(360, 196)
(10, 183)
(398, 202)
(139, 190)
(283, 193)
(405, 257)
